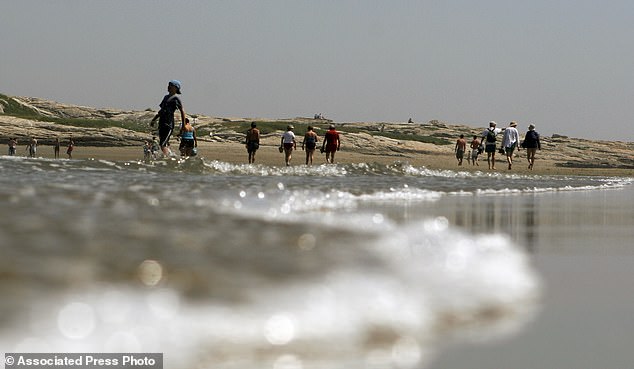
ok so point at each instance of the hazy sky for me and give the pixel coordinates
(565, 65)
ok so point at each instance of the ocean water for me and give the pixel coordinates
(219, 265)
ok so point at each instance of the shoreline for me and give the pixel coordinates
(235, 153)
(118, 135)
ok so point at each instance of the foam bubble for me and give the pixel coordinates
(150, 272)
(306, 242)
(164, 303)
(76, 320)
(279, 329)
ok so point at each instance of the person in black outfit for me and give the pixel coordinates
(171, 102)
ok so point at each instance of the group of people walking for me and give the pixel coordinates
(331, 142)
(510, 142)
(188, 141)
(32, 146)
(288, 142)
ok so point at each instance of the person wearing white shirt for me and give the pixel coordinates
(510, 141)
(288, 144)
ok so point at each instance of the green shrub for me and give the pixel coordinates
(12, 108)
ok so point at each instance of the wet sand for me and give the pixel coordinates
(581, 246)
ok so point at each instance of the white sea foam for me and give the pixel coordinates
(222, 265)
(432, 282)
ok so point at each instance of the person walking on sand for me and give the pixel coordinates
(510, 141)
(56, 147)
(309, 144)
(155, 147)
(331, 144)
(288, 144)
(489, 139)
(32, 147)
(13, 146)
(71, 147)
(147, 150)
(461, 147)
(531, 144)
(170, 103)
(475, 151)
(252, 141)
(188, 139)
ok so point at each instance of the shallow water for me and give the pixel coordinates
(584, 256)
(220, 265)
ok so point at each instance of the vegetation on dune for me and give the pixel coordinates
(401, 136)
(98, 123)
(15, 109)
(267, 127)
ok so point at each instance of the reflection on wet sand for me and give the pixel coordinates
(578, 221)
(515, 216)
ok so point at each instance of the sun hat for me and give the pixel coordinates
(531, 127)
(492, 123)
(513, 124)
(176, 83)
(289, 127)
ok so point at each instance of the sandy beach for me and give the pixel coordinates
(118, 135)
(442, 159)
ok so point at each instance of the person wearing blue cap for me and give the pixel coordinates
(171, 102)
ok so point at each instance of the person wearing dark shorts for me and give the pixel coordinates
(171, 102)
(57, 146)
(531, 144)
(188, 139)
(489, 140)
(461, 147)
(309, 144)
(252, 142)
